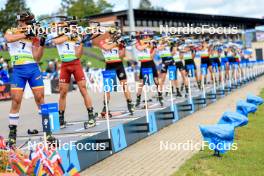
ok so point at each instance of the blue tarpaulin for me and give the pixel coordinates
(233, 118)
(220, 137)
(256, 100)
(244, 107)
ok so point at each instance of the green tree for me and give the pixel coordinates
(82, 8)
(104, 6)
(9, 13)
(145, 4)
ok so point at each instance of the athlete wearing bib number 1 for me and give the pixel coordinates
(25, 50)
(70, 49)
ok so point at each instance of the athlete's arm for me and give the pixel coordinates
(60, 40)
(13, 37)
(108, 46)
(122, 52)
(160, 47)
(174, 50)
(38, 48)
(141, 47)
(79, 50)
(152, 54)
(37, 52)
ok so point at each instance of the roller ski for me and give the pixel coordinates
(91, 119)
(103, 113)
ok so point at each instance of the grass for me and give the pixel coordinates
(52, 54)
(247, 160)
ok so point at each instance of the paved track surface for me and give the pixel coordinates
(145, 157)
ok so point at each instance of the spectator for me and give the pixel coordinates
(88, 66)
(4, 77)
(51, 71)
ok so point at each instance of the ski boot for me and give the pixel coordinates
(12, 136)
(130, 107)
(186, 92)
(62, 121)
(52, 141)
(138, 101)
(91, 119)
(182, 87)
(178, 93)
(103, 113)
(199, 85)
(160, 99)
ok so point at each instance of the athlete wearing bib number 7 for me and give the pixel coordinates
(25, 50)
(70, 49)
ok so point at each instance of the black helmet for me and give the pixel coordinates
(25, 16)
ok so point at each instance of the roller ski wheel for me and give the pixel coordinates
(103, 115)
(91, 123)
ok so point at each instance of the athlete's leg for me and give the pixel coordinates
(38, 95)
(162, 80)
(83, 89)
(125, 89)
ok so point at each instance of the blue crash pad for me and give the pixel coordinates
(220, 137)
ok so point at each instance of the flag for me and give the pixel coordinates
(72, 171)
(59, 168)
(38, 171)
(54, 157)
(18, 167)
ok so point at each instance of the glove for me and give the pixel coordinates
(86, 38)
(29, 33)
(42, 41)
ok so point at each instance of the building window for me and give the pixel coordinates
(150, 23)
(155, 23)
(160, 22)
(144, 23)
(138, 23)
(175, 24)
(126, 23)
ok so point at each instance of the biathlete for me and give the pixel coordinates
(26, 51)
(179, 66)
(205, 60)
(188, 54)
(146, 50)
(214, 57)
(70, 49)
(164, 50)
(114, 51)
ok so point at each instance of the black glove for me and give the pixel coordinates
(42, 41)
(29, 33)
(86, 38)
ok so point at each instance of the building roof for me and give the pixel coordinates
(182, 16)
